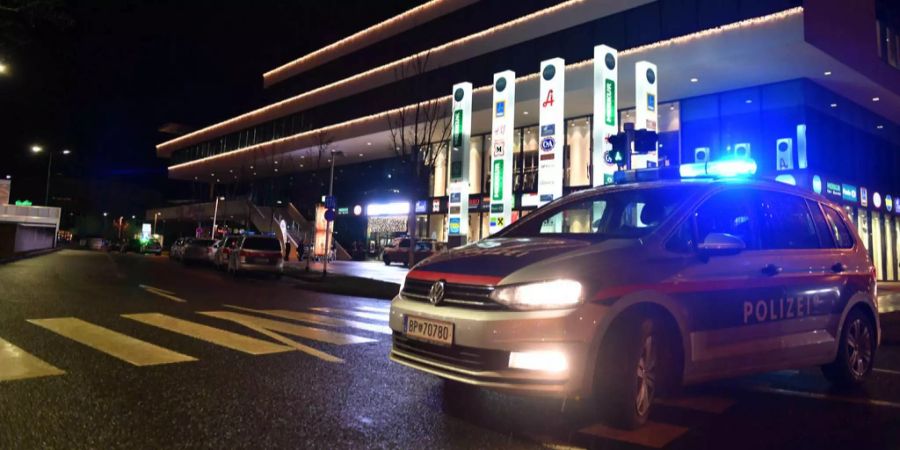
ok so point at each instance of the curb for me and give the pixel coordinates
(31, 254)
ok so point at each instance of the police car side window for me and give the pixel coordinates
(838, 229)
(729, 212)
(825, 237)
(785, 222)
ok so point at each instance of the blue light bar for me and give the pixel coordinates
(727, 168)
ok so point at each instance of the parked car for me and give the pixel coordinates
(398, 250)
(199, 251)
(224, 250)
(177, 250)
(152, 247)
(257, 254)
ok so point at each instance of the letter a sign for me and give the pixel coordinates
(551, 133)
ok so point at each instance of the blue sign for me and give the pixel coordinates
(454, 225)
(548, 143)
(330, 202)
(548, 130)
(500, 108)
(651, 102)
(329, 215)
(421, 206)
(454, 197)
(849, 193)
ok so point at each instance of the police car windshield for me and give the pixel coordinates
(630, 213)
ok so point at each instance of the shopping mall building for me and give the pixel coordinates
(808, 89)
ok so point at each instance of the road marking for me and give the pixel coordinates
(118, 345)
(317, 319)
(267, 330)
(162, 293)
(316, 334)
(651, 434)
(346, 312)
(206, 333)
(887, 371)
(818, 396)
(17, 364)
(713, 405)
(373, 309)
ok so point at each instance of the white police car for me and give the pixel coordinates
(623, 291)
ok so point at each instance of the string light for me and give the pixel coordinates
(376, 33)
(293, 141)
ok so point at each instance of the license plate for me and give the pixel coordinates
(429, 330)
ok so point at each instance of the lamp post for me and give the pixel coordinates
(212, 231)
(155, 216)
(334, 155)
(39, 149)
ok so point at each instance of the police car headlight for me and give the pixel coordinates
(555, 294)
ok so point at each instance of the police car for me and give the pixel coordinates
(668, 277)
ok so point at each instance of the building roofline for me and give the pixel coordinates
(395, 25)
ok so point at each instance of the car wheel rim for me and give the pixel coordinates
(646, 376)
(859, 348)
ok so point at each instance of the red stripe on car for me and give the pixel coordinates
(424, 275)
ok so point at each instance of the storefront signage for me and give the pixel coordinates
(502, 135)
(357, 210)
(876, 200)
(552, 105)
(849, 193)
(146, 231)
(343, 211)
(863, 197)
(421, 206)
(784, 154)
(436, 205)
(817, 184)
(387, 209)
(833, 188)
(888, 203)
(458, 182)
(646, 117)
(897, 205)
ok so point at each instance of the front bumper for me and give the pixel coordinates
(268, 268)
(483, 341)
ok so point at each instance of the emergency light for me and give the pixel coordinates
(725, 168)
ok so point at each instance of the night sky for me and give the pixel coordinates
(101, 77)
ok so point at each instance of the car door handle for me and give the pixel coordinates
(771, 269)
(839, 267)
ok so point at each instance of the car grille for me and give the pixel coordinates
(459, 295)
(467, 357)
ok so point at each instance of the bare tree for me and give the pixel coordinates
(420, 134)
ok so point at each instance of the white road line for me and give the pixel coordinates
(346, 312)
(316, 334)
(17, 364)
(827, 397)
(373, 309)
(713, 405)
(162, 293)
(651, 434)
(317, 319)
(118, 345)
(209, 334)
(887, 371)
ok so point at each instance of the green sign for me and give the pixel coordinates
(457, 127)
(610, 94)
(23, 202)
(497, 181)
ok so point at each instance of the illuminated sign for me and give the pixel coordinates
(833, 188)
(888, 203)
(876, 200)
(897, 205)
(606, 76)
(146, 230)
(23, 202)
(849, 193)
(458, 181)
(343, 211)
(646, 117)
(817, 184)
(501, 199)
(436, 205)
(500, 108)
(387, 209)
(552, 98)
(421, 206)
(863, 197)
(357, 210)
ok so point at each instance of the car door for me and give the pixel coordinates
(725, 298)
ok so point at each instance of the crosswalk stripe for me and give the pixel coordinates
(315, 334)
(286, 341)
(118, 345)
(162, 293)
(317, 319)
(17, 364)
(347, 312)
(651, 434)
(713, 405)
(210, 334)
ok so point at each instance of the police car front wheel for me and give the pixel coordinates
(856, 351)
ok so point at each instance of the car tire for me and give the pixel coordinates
(632, 368)
(386, 259)
(856, 351)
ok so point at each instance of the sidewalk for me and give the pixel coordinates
(358, 278)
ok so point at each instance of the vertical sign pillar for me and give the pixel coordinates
(606, 117)
(504, 112)
(458, 181)
(551, 131)
(646, 115)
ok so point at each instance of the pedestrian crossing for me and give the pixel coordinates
(278, 331)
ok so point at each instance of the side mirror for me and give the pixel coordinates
(717, 244)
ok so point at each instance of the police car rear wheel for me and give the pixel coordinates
(856, 353)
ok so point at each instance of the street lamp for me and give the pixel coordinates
(212, 231)
(155, 216)
(4, 69)
(39, 149)
(334, 155)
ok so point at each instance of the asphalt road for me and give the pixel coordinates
(126, 351)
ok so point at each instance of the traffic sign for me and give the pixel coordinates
(329, 215)
(330, 202)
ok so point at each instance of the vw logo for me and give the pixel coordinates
(436, 295)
